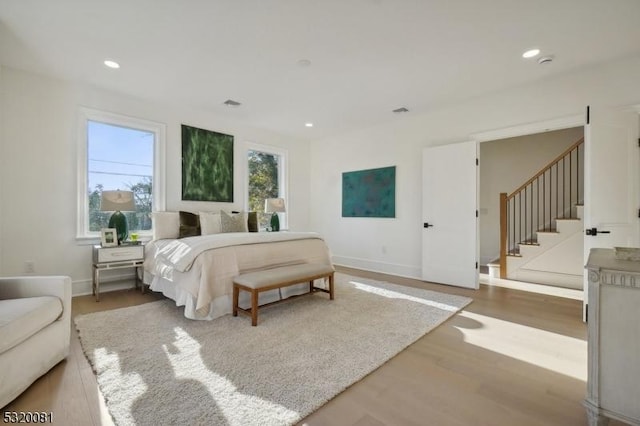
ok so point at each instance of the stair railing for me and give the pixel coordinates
(550, 194)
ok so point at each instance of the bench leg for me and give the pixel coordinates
(311, 286)
(236, 294)
(331, 287)
(254, 307)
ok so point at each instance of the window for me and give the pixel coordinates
(266, 168)
(118, 152)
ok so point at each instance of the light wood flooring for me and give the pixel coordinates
(512, 357)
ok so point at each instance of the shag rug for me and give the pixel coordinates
(156, 367)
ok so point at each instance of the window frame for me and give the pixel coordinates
(283, 176)
(83, 235)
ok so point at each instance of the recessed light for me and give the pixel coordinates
(111, 64)
(400, 110)
(308, 124)
(304, 63)
(531, 53)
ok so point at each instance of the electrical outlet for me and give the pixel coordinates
(29, 267)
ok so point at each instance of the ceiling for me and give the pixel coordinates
(367, 57)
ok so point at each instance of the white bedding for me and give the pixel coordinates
(197, 272)
(182, 253)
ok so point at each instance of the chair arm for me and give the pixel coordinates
(28, 286)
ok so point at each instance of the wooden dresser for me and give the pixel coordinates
(613, 388)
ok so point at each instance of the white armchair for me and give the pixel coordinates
(35, 330)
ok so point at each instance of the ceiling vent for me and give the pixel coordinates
(400, 110)
(231, 103)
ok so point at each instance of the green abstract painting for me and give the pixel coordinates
(207, 165)
(369, 193)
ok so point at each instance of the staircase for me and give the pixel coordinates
(541, 224)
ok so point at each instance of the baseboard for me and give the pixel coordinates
(406, 271)
(125, 281)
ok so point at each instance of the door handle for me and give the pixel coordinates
(594, 231)
(427, 225)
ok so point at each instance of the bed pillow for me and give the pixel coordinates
(165, 225)
(233, 223)
(252, 222)
(210, 223)
(189, 225)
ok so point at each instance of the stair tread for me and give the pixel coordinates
(548, 231)
(494, 262)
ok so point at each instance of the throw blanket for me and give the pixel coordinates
(182, 253)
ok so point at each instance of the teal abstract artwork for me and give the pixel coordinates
(369, 193)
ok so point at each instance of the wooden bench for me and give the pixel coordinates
(269, 279)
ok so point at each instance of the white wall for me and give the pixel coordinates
(38, 163)
(394, 245)
(2, 156)
(38, 139)
(506, 164)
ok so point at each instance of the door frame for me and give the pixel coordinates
(532, 128)
(560, 123)
(528, 129)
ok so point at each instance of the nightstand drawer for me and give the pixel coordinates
(116, 254)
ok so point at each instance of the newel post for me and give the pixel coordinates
(503, 235)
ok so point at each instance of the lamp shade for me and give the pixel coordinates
(117, 201)
(274, 205)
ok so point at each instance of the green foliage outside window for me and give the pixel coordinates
(263, 183)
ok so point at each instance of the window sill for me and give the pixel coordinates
(87, 240)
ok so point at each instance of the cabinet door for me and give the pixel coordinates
(620, 350)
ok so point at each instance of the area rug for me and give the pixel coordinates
(156, 367)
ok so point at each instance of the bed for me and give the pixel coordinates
(197, 271)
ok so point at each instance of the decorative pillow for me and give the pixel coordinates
(233, 223)
(189, 225)
(252, 222)
(165, 225)
(210, 223)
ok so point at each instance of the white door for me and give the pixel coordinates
(449, 215)
(612, 159)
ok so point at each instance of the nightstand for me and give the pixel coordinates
(107, 258)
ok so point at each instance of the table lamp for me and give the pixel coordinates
(117, 202)
(274, 205)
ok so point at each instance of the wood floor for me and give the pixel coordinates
(510, 358)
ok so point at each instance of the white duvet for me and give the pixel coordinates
(182, 253)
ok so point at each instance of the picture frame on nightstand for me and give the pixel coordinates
(108, 237)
